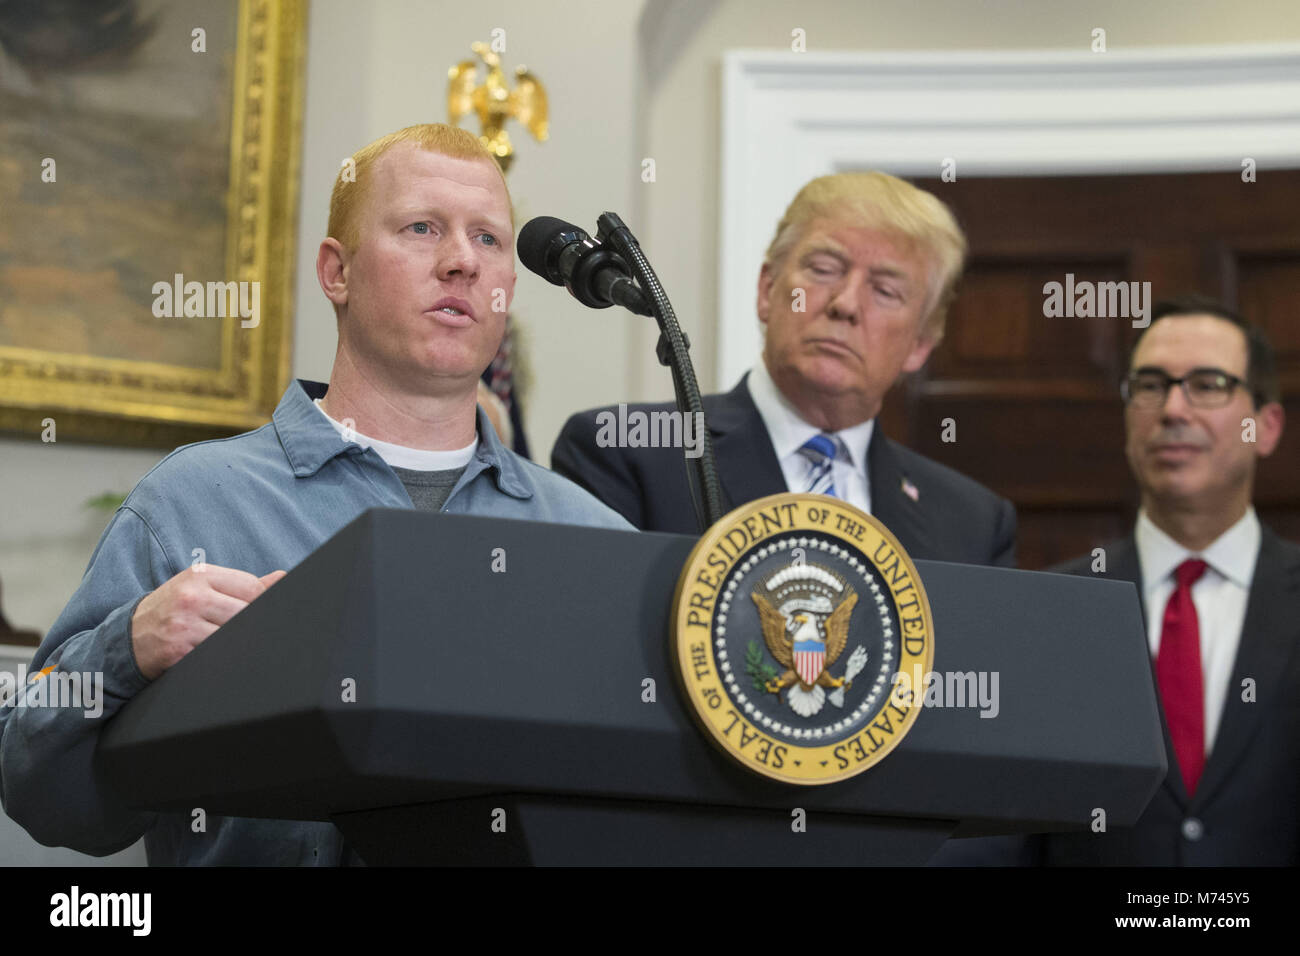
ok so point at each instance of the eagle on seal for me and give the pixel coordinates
(781, 641)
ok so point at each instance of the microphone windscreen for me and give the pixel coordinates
(537, 238)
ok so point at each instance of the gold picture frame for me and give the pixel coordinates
(122, 400)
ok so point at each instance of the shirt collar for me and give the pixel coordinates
(405, 457)
(1232, 554)
(309, 440)
(788, 430)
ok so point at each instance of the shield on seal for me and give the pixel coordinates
(809, 652)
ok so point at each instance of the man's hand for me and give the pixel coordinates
(177, 617)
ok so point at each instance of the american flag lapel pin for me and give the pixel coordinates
(910, 490)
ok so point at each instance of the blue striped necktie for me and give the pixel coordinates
(821, 452)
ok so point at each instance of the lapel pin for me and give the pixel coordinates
(909, 489)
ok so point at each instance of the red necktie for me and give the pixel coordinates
(1178, 672)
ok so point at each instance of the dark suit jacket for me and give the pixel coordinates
(952, 519)
(1246, 809)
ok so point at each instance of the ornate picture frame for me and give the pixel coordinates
(55, 366)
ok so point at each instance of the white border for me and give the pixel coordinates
(787, 117)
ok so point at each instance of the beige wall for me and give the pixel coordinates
(622, 88)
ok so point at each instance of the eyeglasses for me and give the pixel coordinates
(1202, 387)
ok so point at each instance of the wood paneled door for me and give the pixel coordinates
(1035, 399)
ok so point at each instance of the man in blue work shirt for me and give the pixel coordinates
(419, 265)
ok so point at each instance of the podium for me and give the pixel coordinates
(456, 689)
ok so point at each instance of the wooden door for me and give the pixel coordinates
(1035, 400)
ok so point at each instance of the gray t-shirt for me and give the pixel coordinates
(429, 489)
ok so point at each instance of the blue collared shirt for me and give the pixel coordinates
(259, 501)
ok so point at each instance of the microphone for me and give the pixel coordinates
(563, 254)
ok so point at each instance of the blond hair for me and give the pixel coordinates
(349, 194)
(885, 203)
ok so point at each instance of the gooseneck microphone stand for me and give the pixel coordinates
(672, 350)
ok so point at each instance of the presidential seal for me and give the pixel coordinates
(791, 620)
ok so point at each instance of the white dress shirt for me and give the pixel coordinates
(1219, 596)
(789, 431)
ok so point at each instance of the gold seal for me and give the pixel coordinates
(792, 619)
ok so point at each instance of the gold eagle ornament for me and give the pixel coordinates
(495, 102)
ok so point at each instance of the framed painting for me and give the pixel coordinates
(148, 187)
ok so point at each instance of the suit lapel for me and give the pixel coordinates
(747, 463)
(898, 511)
(1266, 645)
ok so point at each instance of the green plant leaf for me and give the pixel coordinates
(108, 501)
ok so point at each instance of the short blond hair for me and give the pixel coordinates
(349, 194)
(882, 202)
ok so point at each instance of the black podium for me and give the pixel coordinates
(419, 674)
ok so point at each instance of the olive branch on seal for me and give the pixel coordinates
(758, 669)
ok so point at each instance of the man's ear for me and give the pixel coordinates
(765, 278)
(332, 270)
(1270, 420)
(921, 350)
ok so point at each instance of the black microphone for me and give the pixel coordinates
(563, 254)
